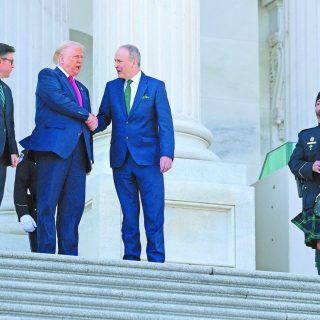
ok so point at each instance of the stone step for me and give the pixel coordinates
(260, 300)
(36, 286)
(101, 297)
(124, 275)
(38, 311)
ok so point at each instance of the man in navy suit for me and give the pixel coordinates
(62, 144)
(8, 145)
(305, 165)
(142, 149)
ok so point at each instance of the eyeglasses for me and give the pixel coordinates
(10, 60)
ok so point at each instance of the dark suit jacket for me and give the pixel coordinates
(59, 117)
(7, 133)
(306, 152)
(147, 132)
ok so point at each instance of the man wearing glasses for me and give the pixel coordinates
(8, 145)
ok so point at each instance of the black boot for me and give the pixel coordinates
(317, 260)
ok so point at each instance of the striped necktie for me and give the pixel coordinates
(2, 97)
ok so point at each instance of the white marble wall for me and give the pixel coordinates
(302, 64)
(289, 83)
(230, 80)
(292, 24)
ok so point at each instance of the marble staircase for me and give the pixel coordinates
(39, 286)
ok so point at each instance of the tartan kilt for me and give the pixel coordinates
(309, 223)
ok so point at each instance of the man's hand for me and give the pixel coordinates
(165, 164)
(27, 223)
(14, 160)
(92, 122)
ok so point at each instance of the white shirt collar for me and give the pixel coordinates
(136, 78)
(64, 71)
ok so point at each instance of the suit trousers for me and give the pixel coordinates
(131, 180)
(3, 174)
(33, 241)
(3, 169)
(61, 184)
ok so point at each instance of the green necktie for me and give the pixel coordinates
(2, 97)
(127, 95)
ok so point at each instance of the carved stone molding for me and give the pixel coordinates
(277, 87)
(277, 68)
(269, 3)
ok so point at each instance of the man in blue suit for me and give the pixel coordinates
(8, 145)
(142, 149)
(62, 144)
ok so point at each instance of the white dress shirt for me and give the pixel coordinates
(134, 87)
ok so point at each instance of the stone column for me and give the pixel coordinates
(168, 36)
(209, 208)
(34, 28)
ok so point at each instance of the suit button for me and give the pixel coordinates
(127, 138)
(127, 122)
(79, 133)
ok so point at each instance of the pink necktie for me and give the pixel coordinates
(76, 89)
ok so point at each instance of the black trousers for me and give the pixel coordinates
(3, 174)
(33, 241)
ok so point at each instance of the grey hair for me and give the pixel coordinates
(64, 45)
(134, 52)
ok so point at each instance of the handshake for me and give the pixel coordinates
(92, 122)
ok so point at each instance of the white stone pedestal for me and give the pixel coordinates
(279, 243)
(209, 215)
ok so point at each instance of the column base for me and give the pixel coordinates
(209, 214)
(192, 141)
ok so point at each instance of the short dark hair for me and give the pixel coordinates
(5, 49)
(317, 98)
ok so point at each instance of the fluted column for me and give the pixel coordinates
(34, 28)
(302, 63)
(210, 196)
(168, 36)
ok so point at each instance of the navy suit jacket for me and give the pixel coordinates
(59, 117)
(7, 126)
(147, 132)
(306, 152)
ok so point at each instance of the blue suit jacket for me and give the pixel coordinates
(306, 152)
(59, 117)
(7, 126)
(147, 132)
